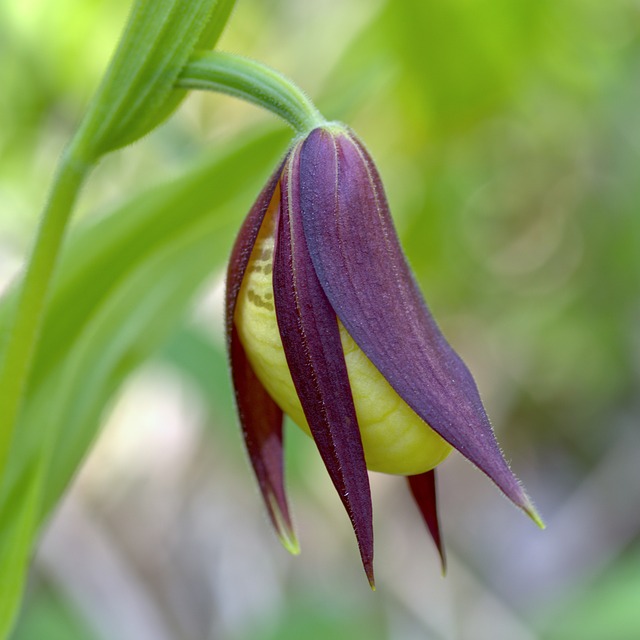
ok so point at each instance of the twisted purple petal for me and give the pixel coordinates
(364, 274)
(312, 346)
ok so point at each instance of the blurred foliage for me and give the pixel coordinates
(607, 609)
(507, 134)
(51, 618)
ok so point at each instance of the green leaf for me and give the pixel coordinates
(137, 92)
(124, 283)
(15, 543)
(48, 614)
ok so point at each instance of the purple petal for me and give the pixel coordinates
(358, 260)
(260, 416)
(423, 489)
(312, 346)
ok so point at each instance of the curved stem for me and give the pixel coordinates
(26, 323)
(254, 82)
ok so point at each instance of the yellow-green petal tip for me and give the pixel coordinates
(531, 511)
(289, 541)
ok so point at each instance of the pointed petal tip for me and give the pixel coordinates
(283, 527)
(423, 489)
(521, 500)
(289, 541)
(443, 562)
(532, 512)
(514, 491)
(372, 582)
(367, 564)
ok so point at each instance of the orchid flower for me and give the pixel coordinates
(326, 323)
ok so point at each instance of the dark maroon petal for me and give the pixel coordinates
(260, 416)
(423, 489)
(358, 260)
(311, 341)
(261, 420)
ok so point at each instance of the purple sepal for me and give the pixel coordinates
(364, 274)
(311, 340)
(260, 416)
(423, 489)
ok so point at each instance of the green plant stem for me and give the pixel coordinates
(254, 82)
(25, 327)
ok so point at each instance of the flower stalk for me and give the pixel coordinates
(254, 82)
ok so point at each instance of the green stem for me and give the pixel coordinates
(24, 329)
(253, 82)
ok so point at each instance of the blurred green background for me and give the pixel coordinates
(508, 137)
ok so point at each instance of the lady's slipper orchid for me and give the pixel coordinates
(326, 323)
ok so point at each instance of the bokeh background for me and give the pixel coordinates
(508, 137)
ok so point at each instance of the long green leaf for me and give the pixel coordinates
(15, 545)
(137, 92)
(124, 283)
